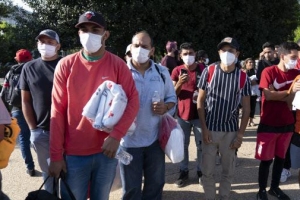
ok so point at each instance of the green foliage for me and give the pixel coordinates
(203, 22)
(297, 34)
(5, 8)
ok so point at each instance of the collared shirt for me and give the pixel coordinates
(147, 123)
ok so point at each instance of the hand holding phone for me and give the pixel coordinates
(183, 71)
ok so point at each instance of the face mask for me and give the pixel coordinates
(188, 60)
(206, 61)
(227, 58)
(47, 50)
(291, 64)
(140, 55)
(91, 42)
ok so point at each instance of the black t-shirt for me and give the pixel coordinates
(262, 64)
(37, 78)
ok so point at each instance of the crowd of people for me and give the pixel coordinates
(205, 98)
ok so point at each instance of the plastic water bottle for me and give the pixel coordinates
(123, 156)
(155, 97)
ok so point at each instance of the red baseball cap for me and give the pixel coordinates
(23, 55)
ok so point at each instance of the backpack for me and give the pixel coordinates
(242, 76)
(161, 75)
(11, 92)
(199, 69)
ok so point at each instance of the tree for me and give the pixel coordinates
(202, 22)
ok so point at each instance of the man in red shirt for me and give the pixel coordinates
(185, 78)
(277, 122)
(87, 154)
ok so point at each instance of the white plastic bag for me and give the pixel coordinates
(171, 138)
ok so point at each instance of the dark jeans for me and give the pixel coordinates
(24, 138)
(252, 106)
(148, 162)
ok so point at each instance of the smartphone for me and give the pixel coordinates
(183, 71)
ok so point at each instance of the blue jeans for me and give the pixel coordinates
(96, 171)
(150, 162)
(187, 128)
(24, 139)
(40, 142)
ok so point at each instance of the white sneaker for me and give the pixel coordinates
(285, 174)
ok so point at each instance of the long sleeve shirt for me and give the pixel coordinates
(75, 80)
(147, 123)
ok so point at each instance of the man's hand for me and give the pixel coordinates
(296, 86)
(206, 137)
(183, 78)
(110, 147)
(262, 55)
(56, 167)
(237, 142)
(159, 108)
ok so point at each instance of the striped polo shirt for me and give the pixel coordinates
(223, 96)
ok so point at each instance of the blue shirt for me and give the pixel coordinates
(147, 123)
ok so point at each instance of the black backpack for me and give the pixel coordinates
(11, 92)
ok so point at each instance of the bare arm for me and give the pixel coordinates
(27, 109)
(206, 137)
(272, 95)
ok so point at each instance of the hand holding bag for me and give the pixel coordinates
(45, 195)
(171, 138)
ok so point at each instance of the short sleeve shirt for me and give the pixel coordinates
(276, 113)
(37, 78)
(187, 110)
(223, 95)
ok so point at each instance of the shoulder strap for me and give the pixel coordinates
(211, 71)
(161, 75)
(243, 79)
(199, 69)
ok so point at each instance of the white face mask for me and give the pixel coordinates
(140, 55)
(46, 50)
(188, 60)
(227, 58)
(291, 64)
(206, 61)
(91, 42)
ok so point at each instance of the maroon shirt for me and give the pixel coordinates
(170, 62)
(187, 110)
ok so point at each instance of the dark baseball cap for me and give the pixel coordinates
(230, 41)
(50, 33)
(91, 17)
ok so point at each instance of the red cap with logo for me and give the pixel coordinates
(23, 55)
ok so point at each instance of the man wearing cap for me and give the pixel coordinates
(36, 83)
(170, 60)
(11, 95)
(220, 93)
(87, 154)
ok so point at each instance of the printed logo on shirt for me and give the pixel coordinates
(281, 85)
(105, 77)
